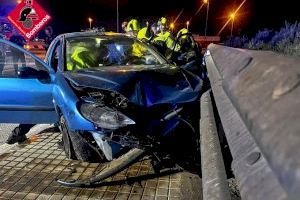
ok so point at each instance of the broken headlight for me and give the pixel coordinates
(105, 117)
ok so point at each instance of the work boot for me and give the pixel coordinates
(16, 136)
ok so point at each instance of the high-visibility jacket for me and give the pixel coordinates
(133, 25)
(138, 50)
(144, 33)
(167, 38)
(80, 58)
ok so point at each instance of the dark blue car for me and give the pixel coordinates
(109, 92)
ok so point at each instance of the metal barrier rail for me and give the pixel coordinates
(257, 97)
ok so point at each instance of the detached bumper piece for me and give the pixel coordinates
(113, 168)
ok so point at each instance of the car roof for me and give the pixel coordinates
(93, 33)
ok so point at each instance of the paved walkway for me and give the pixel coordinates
(28, 171)
(5, 130)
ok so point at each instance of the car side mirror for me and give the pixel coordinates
(32, 73)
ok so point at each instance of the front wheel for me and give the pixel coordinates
(67, 144)
(77, 147)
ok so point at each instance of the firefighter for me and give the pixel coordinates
(146, 33)
(48, 36)
(183, 39)
(82, 57)
(138, 50)
(132, 27)
(189, 50)
(19, 133)
(154, 28)
(183, 32)
(162, 23)
(135, 54)
(124, 26)
(164, 40)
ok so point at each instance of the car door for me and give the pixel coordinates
(26, 84)
(54, 53)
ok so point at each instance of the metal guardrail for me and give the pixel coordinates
(257, 98)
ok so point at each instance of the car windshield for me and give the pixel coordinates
(104, 51)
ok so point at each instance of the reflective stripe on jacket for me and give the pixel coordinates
(167, 38)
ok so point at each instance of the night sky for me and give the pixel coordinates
(253, 16)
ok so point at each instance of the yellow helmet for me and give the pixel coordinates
(162, 21)
(182, 32)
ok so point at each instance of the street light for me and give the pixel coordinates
(197, 11)
(117, 16)
(90, 20)
(179, 14)
(207, 9)
(172, 26)
(19, 1)
(232, 16)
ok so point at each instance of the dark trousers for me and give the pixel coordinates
(24, 128)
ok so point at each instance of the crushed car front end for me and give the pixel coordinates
(130, 97)
(132, 108)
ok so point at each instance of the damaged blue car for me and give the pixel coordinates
(110, 93)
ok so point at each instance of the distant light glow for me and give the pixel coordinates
(172, 25)
(90, 20)
(26, 46)
(19, 1)
(123, 70)
(205, 1)
(118, 47)
(232, 15)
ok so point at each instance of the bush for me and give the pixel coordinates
(237, 42)
(286, 41)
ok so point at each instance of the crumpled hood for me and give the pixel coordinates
(142, 85)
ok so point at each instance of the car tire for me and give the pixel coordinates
(67, 143)
(77, 148)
